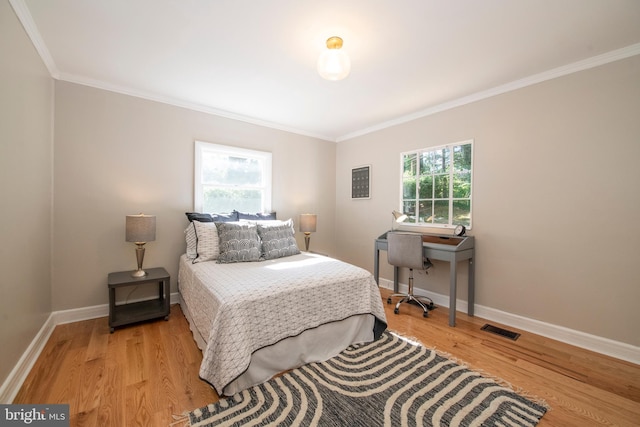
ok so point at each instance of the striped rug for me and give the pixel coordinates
(390, 382)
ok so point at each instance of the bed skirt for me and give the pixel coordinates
(313, 345)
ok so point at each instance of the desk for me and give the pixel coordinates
(442, 248)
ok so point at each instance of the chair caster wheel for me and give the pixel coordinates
(431, 306)
(396, 311)
(389, 300)
(425, 314)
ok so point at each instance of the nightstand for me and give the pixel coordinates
(125, 314)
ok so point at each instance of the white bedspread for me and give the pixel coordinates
(242, 307)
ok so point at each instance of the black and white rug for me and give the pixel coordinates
(389, 382)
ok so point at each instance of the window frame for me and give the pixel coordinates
(198, 188)
(451, 224)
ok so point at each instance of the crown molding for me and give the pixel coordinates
(151, 96)
(24, 15)
(595, 61)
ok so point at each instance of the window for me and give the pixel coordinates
(437, 184)
(228, 178)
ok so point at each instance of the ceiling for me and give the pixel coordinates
(256, 60)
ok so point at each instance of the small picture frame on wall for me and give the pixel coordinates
(361, 182)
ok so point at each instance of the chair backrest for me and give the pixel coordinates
(405, 250)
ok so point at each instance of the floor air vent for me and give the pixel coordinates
(502, 332)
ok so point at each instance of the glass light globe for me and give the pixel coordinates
(334, 63)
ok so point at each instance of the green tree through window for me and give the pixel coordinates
(436, 185)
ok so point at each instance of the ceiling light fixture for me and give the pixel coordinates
(334, 63)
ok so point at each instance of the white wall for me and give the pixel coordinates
(117, 155)
(26, 108)
(556, 212)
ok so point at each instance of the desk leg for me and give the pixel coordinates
(452, 292)
(472, 287)
(166, 287)
(112, 308)
(376, 264)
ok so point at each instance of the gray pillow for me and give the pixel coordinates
(215, 217)
(278, 241)
(256, 216)
(238, 242)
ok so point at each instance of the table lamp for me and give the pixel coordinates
(398, 217)
(308, 224)
(140, 229)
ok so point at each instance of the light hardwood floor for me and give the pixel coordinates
(144, 374)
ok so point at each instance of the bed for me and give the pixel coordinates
(257, 318)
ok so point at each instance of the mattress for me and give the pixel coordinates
(255, 319)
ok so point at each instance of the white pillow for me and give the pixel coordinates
(208, 243)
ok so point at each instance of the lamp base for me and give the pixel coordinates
(140, 258)
(307, 238)
(139, 273)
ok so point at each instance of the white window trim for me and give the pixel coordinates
(451, 225)
(201, 147)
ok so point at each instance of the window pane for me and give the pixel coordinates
(410, 167)
(441, 187)
(461, 185)
(409, 188)
(426, 163)
(426, 187)
(425, 212)
(441, 212)
(409, 176)
(462, 157)
(462, 212)
(439, 160)
(409, 208)
(221, 168)
(226, 200)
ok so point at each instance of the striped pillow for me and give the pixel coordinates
(207, 246)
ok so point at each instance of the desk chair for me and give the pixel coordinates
(405, 250)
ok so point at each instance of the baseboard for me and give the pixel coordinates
(601, 345)
(19, 373)
(612, 348)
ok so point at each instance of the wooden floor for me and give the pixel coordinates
(142, 375)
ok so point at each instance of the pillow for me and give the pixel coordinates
(207, 247)
(257, 216)
(238, 242)
(278, 241)
(205, 217)
(225, 217)
(192, 241)
(194, 216)
(268, 222)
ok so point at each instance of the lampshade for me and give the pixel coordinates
(399, 216)
(334, 63)
(141, 228)
(308, 223)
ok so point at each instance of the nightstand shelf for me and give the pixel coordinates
(125, 314)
